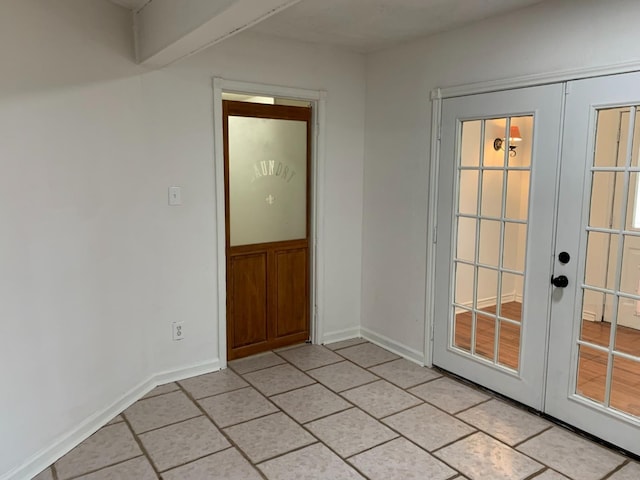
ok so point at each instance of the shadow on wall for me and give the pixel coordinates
(47, 44)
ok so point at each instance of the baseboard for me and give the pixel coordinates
(339, 335)
(69, 440)
(589, 316)
(398, 348)
(186, 372)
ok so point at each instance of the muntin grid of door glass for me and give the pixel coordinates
(608, 364)
(490, 239)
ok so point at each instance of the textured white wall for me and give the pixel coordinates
(547, 37)
(95, 265)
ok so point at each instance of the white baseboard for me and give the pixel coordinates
(69, 440)
(398, 348)
(339, 335)
(186, 372)
(589, 316)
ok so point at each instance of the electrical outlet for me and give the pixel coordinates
(178, 330)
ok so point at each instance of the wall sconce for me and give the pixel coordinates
(514, 136)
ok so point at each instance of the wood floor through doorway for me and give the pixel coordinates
(625, 386)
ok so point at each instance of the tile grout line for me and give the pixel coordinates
(90, 472)
(257, 369)
(531, 437)
(303, 426)
(399, 434)
(141, 445)
(225, 392)
(210, 454)
(222, 432)
(617, 469)
(171, 424)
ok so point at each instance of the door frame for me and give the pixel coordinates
(437, 95)
(316, 235)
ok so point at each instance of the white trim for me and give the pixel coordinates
(415, 356)
(432, 226)
(193, 370)
(317, 208)
(221, 236)
(340, 335)
(589, 316)
(535, 79)
(75, 436)
(317, 219)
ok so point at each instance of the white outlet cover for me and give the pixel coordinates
(178, 330)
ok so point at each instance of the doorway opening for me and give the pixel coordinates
(270, 252)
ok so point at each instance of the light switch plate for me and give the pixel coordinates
(175, 196)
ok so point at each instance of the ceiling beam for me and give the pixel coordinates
(168, 30)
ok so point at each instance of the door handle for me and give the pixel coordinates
(560, 281)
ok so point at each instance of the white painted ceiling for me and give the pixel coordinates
(369, 25)
(131, 4)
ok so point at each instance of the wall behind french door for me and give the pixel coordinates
(538, 271)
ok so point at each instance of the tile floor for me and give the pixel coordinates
(350, 410)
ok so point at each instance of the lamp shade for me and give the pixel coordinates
(514, 134)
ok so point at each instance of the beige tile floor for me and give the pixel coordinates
(350, 410)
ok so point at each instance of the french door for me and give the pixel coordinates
(538, 249)
(594, 343)
(495, 203)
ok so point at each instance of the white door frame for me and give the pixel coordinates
(436, 97)
(318, 99)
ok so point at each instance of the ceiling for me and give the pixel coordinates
(131, 4)
(369, 25)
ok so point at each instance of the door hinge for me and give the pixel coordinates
(435, 234)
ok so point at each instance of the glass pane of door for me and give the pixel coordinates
(267, 180)
(493, 172)
(608, 370)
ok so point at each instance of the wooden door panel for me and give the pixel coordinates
(248, 274)
(267, 281)
(291, 292)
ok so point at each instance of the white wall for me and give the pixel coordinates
(547, 37)
(95, 265)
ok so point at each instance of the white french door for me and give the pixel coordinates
(495, 205)
(538, 249)
(594, 345)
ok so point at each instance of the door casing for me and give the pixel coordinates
(317, 254)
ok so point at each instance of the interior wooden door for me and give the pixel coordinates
(267, 184)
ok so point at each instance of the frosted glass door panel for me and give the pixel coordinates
(267, 180)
